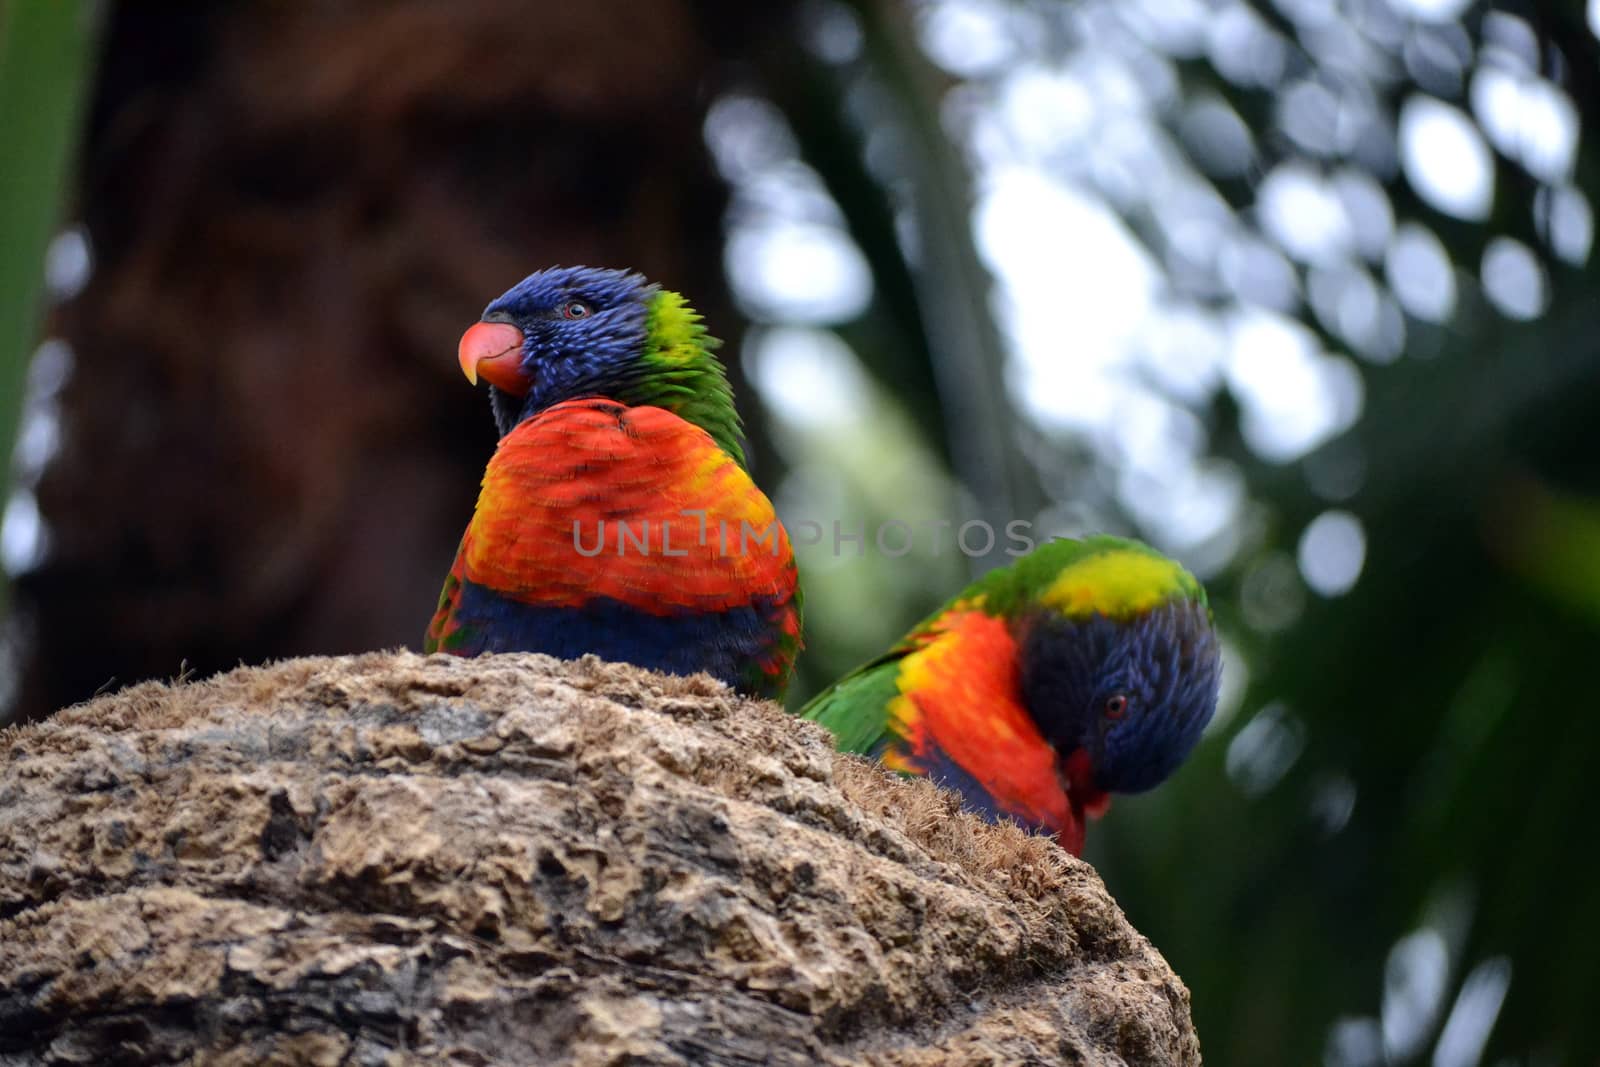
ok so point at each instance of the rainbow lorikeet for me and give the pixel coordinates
(1083, 669)
(616, 516)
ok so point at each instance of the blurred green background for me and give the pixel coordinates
(1299, 291)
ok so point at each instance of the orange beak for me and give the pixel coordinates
(493, 350)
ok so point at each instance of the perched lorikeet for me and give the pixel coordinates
(616, 516)
(1085, 668)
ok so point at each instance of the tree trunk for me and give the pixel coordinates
(386, 859)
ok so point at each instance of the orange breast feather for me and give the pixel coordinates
(959, 699)
(594, 498)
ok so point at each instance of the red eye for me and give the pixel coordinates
(574, 309)
(1116, 705)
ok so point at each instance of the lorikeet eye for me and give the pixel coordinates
(575, 309)
(1116, 705)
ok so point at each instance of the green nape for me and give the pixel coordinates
(684, 376)
(1113, 576)
(1121, 576)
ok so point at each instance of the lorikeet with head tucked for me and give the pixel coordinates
(1085, 668)
(616, 516)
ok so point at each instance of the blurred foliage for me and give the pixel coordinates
(45, 48)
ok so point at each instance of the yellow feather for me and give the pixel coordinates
(1114, 584)
(675, 328)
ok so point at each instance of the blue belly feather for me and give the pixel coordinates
(721, 643)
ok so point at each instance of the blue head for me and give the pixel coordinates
(559, 334)
(1132, 694)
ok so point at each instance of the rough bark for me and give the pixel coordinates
(392, 859)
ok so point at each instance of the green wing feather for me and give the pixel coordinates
(856, 707)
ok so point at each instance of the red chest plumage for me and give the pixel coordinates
(960, 702)
(594, 498)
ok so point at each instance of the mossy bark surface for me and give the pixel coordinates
(391, 859)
